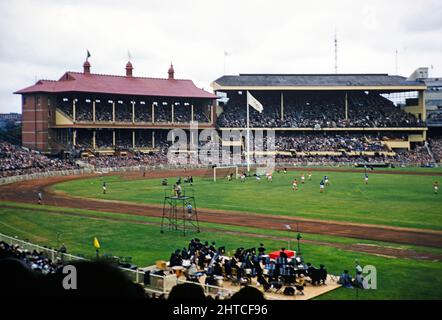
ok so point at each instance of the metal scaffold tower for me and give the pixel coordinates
(179, 212)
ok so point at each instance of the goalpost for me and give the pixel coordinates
(216, 170)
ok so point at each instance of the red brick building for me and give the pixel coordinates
(104, 112)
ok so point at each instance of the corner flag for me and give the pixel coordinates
(255, 104)
(96, 243)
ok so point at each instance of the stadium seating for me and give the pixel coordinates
(318, 110)
(123, 112)
(436, 147)
(15, 160)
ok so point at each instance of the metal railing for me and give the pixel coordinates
(48, 252)
(48, 174)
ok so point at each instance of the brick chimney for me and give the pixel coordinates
(171, 72)
(86, 67)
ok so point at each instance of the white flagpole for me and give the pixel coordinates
(248, 135)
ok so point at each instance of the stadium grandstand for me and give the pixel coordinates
(433, 96)
(331, 118)
(105, 114)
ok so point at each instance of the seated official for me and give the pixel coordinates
(175, 259)
(311, 271)
(261, 249)
(228, 268)
(178, 190)
(282, 254)
(322, 274)
(184, 254)
(345, 280)
(217, 269)
(358, 282)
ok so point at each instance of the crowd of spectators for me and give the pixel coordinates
(35, 261)
(65, 106)
(201, 113)
(182, 113)
(308, 148)
(318, 111)
(123, 112)
(404, 158)
(418, 155)
(15, 160)
(143, 114)
(103, 112)
(83, 112)
(328, 142)
(132, 160)
(31, 274)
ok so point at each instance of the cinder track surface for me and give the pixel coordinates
(26, 192)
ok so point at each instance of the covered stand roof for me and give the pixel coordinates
(315, 82)
(111, 84)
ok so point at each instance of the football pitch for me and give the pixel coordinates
(401, 200)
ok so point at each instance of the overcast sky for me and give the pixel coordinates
(43, 39)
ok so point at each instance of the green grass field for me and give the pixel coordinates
(395, 200)
(397, 278)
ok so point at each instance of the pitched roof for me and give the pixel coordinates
(314, 80)
(110, 84)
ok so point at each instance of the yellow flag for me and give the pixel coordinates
(96, 243)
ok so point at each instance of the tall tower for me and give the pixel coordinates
(336, 53)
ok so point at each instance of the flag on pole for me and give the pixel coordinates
(255, 104)
(88, 54)
(129, 56)
(96, 243)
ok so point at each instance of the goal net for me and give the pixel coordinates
(264, 171)
(226, 172)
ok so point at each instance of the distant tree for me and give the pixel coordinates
(11, 133)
